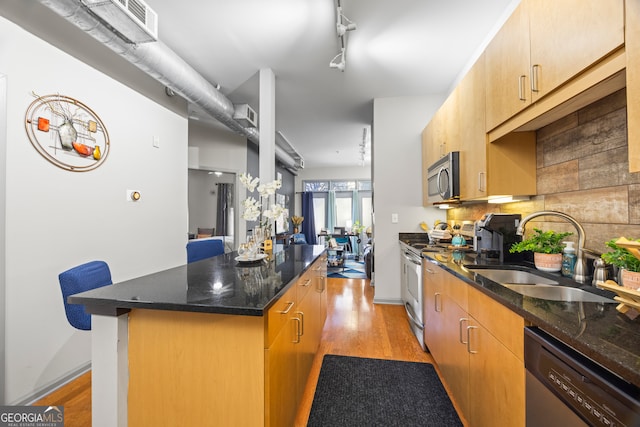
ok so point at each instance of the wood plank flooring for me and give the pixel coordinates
(354, 327)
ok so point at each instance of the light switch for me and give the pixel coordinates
(156, 141)
(394, 218)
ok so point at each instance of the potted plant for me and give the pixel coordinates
(627, 263)
(546, 247)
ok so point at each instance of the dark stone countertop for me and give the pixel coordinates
(596, 330)
(214, 285)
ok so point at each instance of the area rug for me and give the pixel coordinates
(352, 270)
(355, 391)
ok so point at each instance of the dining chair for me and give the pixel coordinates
(84, 277)
(206, 232)
(201, 249)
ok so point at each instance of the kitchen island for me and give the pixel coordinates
(216, 342)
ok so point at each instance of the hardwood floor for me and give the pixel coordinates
(354, 327)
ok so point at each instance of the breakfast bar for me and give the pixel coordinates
(215, 342)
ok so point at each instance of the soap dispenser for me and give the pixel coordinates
(568, 259)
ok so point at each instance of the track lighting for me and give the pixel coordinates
(340, 65)
(341, 28)
(343, 25)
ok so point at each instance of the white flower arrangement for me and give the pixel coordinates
(253, 208)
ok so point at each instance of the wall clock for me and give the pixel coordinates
(67, 132)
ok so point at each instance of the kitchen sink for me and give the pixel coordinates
(533, 285)
(514, 276)
(556, 293)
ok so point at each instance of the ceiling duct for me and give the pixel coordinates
(134, 19)
(163, 64)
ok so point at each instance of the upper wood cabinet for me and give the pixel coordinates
(632, 48)
(473, 137)
(507, 69)
(543, 45)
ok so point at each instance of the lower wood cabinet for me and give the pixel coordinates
(478, 347)
(207, 369)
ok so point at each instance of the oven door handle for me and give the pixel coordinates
(409, 256)
(412, 316)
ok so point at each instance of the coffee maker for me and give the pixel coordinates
(494, 234)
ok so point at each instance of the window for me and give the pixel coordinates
(340, 203)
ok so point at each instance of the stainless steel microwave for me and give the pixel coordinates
(443, 178)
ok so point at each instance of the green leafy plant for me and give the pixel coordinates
(357, 228)
(621, 257)
(544, 242)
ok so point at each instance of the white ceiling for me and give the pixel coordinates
(400, 48)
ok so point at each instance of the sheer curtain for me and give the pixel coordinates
(331, 210)
(308, 225)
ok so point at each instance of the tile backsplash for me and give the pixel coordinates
(583, 171)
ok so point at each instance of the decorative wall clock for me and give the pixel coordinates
(67, 133)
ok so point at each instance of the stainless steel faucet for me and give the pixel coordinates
(580, 270)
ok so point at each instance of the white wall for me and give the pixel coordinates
(397, 181)
(57, 219)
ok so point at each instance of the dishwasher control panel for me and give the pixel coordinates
(595, 394)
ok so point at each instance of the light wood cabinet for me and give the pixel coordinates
(507, 62)
(632, 48)
(478, 346)
(205, 369)
(544, 44)
(473, 137)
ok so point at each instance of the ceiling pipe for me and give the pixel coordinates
(163, 64)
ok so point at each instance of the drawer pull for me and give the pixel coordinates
(286, 310)
(297, 340)
(306, 283)
(461, 321)
(469, 328)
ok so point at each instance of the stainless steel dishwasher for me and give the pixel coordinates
(565, 388)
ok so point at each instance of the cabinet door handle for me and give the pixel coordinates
(321, 280)
(428, 270)
(534, 77)
(437, 307)
(521, 96)
(469, 328)
(460, 322)
(297, 340)
(301, 322)
(481, 181)
(286, 310)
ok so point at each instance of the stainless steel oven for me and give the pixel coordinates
(443, 178)
(411, 288)
(565, 388)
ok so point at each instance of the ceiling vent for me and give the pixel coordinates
(245, 115)
(133, 19)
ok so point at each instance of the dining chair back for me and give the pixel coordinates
(201, 249)
(84, 277)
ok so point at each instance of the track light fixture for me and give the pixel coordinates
(343, 25)
(341, 28)
(338, 61)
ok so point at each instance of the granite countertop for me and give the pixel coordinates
(215, 285)
(596, 330)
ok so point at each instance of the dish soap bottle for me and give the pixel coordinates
(568, 259)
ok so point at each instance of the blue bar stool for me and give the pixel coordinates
(92, 275)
